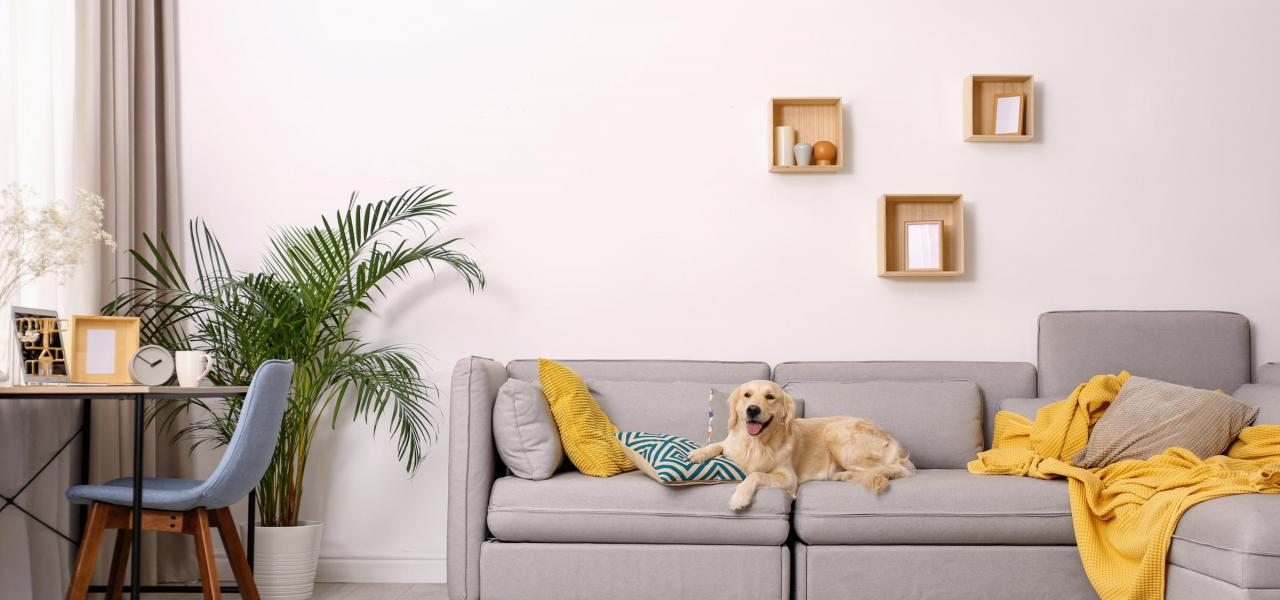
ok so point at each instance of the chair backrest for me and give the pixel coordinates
(254, 440)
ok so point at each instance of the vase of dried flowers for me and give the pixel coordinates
(38, 239)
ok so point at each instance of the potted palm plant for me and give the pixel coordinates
(302, 305)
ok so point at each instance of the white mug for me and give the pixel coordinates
(192, 366)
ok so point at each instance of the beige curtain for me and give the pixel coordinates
(126, 111)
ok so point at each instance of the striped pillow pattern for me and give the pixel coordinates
(665, 458)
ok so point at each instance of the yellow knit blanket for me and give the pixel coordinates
(1125, 513)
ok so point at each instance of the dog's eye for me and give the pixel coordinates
(747, 395)
(768, 396)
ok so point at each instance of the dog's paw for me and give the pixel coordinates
(740, 501)
(877, 483)
(700, 455)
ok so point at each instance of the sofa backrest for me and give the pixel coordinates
(1203, 349)
(939, 423)
(655, 396)
(995, 380)
(650, 370)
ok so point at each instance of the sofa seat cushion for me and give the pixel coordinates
(936, 506)
(1235, 539)
(631, 508)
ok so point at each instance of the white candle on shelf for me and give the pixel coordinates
(785, 136)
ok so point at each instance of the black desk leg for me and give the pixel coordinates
(86, 421)
(135, 573)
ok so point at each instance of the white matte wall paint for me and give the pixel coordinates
(609, 160)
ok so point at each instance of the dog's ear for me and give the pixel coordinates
(733, 408)
(788, 410)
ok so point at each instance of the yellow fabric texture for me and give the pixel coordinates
(588, 436)
(1125, 513)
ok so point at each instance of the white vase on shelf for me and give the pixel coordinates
(785, 136)
(804, 154)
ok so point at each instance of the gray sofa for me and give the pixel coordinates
(942, 533)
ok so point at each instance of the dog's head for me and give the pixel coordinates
(761, 406)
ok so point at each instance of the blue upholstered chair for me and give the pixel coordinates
(191, 506)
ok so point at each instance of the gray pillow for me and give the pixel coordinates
(938, 422)
(524, 432)
(1150, 416)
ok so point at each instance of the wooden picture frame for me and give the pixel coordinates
(101, 348)
(1000, 108)
(927, 238)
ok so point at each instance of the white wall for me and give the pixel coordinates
(609, 160)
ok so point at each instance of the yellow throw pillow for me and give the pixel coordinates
(587, 434)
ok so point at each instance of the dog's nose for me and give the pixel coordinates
(753, 411)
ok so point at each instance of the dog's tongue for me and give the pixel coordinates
(754, 428)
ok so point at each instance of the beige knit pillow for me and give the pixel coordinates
(1150, 416)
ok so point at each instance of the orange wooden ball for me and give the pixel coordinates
(824, 152)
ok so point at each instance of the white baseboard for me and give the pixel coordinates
(369, 568)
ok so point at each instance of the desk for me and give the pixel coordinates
(139, 394)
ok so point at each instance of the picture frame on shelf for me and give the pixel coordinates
(101, 348)
(42, 355)
(1007, 114)
(923, 246)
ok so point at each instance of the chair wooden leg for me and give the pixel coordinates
(198, 526)
(90, 540)
(119, 564)
(235, 553)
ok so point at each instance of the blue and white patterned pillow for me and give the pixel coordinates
(666, 459)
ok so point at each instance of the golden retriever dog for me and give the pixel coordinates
(778, 450)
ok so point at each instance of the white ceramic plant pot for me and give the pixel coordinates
(284, 559)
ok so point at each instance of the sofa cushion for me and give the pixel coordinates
(631, 508)
(1234, 538)
(938, 422)
(676, 408)
(1026, 407)
(996, 380)
(1204, 349)
(524, 432)
(936, 506)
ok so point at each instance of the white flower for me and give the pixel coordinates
(38, 239)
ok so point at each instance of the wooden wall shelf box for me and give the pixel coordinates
(814, 119)
(979, 106)
(895, 210)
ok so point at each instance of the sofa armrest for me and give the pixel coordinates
(1269, 373)
(1263, 396)
(472, 468)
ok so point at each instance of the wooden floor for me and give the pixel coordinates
(343, 591)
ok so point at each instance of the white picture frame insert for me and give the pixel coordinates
(1008, 114)
(923, 245)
